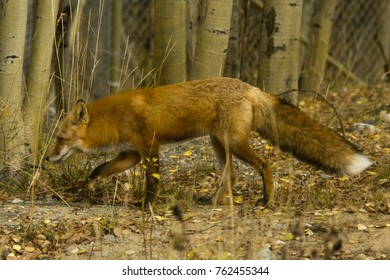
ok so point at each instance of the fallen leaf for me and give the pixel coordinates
(130, 252)
(174, 170)
(289, 236)
(191, 255)
(30, 249)
(308, 232)
(17, 248)
(361, 227)
(16, 238)
(160, 218)
(239, 199)
(11, 256)
(117, 231)
(174, 156)
(353, 241)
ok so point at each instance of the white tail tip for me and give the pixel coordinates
(358, 164)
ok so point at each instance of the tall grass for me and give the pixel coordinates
(77, 68)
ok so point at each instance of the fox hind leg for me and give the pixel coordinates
(243, 151)
(225, 160)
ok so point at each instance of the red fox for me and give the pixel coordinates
(135, 124)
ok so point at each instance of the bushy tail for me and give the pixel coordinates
(295, 132)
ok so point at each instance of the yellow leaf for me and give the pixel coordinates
(344, 179)
(285, 180)
(127, 186)
(224, 256)
(6, 113)
(159, 218)
(265, 210)
(156, 175)
(288, 237)
(192, 254)
(268, 147)
(239, 199)
(386, 150)
(174, 156)
(174, 170)
(188, 153)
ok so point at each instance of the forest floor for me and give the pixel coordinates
(316, 215)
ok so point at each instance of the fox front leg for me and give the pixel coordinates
(268, 187)
(152, 163)
(124, 161)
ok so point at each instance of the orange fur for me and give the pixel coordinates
(135, 124)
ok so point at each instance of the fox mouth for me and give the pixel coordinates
(60, 157)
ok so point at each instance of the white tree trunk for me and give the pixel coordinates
(213, 38)
(279, 46)
(170, 41)
(13, 20)
(39, 73)
(116, 34)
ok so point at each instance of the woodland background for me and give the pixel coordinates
(54, 52)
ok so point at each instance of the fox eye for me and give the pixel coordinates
(60, 139)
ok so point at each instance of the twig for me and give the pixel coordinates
(324, 99)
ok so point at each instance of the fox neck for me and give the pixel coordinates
(103, 137)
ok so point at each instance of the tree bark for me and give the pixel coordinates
(39, 74)
(213, 38)
(321, 29)
(170, 41)
(13, 20)
(307, 14)
(116, 32)
(236, 38)
(383, 38)
(279, 46)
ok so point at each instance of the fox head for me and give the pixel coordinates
(70, 137)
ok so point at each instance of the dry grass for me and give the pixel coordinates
(315, 214)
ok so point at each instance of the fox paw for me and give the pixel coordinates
(263, 202)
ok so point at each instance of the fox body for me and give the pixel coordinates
(134, 124)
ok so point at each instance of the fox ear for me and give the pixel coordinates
(80, 112)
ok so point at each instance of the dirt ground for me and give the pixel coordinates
(316, 215)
